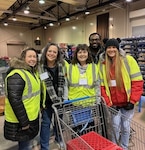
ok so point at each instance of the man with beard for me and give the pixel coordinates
(95, 46)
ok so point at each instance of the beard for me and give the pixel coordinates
(95, 46)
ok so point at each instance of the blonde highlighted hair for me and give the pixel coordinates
(117, 64)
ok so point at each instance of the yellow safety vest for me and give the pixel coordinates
(76, 90)
(130, 72)
(30, 97)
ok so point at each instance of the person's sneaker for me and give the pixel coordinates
(60, 144)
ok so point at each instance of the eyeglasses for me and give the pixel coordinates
(94, 39)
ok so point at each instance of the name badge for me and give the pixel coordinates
(113, 83)
(83, 81)
(44, 76)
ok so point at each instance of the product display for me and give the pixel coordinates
(135, 46)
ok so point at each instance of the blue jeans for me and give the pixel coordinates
(121, 126)
(24, 145)
(45, 129)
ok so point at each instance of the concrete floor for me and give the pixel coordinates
(9, 145)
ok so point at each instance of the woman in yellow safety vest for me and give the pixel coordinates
(82, 74)
(121, 87)
(83, 81)
(22, 103)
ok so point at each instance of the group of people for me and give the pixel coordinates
(33, 87)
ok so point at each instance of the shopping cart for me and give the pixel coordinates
(85, 124)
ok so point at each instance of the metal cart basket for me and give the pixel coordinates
(85, 124)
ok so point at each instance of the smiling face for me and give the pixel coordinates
(111, 51)
(95, 41)
(82, 56)
(52, 53)
(31, 58)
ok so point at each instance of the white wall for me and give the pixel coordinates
(117, 26)
(19, 34)
(122, 26)
(66, 34)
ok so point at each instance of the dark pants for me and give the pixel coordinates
(103, 122)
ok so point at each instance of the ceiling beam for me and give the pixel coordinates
(117, 5)
(31, 15)
(37, 16)
(106, 3)
(26, 19)
(91, 8)
(6, 4)
(74, 2)
(19, 8)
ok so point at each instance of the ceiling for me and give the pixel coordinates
(53, 11)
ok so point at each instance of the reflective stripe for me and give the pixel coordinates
(128, 91)
(128, 70)
(101, 80)
(30, 93)
(94, 73)
(136, 75)
(101, 67)
(77, 84)
(101, 70)
(70, 71)
(127, 66)
(86, 86)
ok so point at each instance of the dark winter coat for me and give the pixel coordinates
(15, 86)
(96, 53)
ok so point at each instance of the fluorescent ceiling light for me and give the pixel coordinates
(5, 24)
(26, 11)
(51, 24)
(14, 19)
(128, 0)
(45, 27)
(67, 19)
(41, 1)
(87, 12)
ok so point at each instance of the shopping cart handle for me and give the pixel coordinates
(75, 100)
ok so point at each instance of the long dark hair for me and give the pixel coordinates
(43, 59)
(82, 47)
